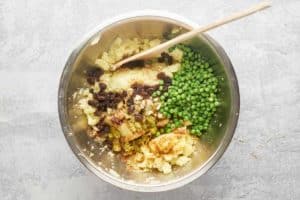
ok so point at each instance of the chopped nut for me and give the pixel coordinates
(187, 123)
(158, 106)
(143, 104)
(155, 99)
(149, 112)
(162, 123)
(120, 105)
(181, 130)
(99, 139)
(138, 98)
(109, 110)
(91, 133)
(160, 116)
(149, 102)
(116, 120)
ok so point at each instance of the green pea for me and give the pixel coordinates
(193, 92)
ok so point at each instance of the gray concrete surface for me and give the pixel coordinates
(263, 160)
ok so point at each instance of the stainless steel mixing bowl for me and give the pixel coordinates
(111, 169)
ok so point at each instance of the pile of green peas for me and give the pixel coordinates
(192, 96)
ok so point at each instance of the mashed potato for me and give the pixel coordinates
(88, 110)
(163, 152)
(122, 48)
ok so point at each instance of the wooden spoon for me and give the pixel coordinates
(154, 51)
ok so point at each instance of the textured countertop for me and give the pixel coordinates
(36, 37)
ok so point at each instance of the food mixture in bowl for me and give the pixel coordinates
(150, 113)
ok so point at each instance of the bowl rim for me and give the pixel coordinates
(173, 184)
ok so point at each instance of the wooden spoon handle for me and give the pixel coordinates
(162, 47)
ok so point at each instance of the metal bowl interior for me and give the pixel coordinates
(110, 168)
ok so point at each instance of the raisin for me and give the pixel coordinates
(134, 64)
(93, 74)
(102, 87)
(130, 109)
(143, 90)
(105, 128)
(93, 103)
(161, 75)
(161, 59)
(169, 60)
(138, 117)
(100, 97)
(124, 94)
(91, 80)
(98, 112)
